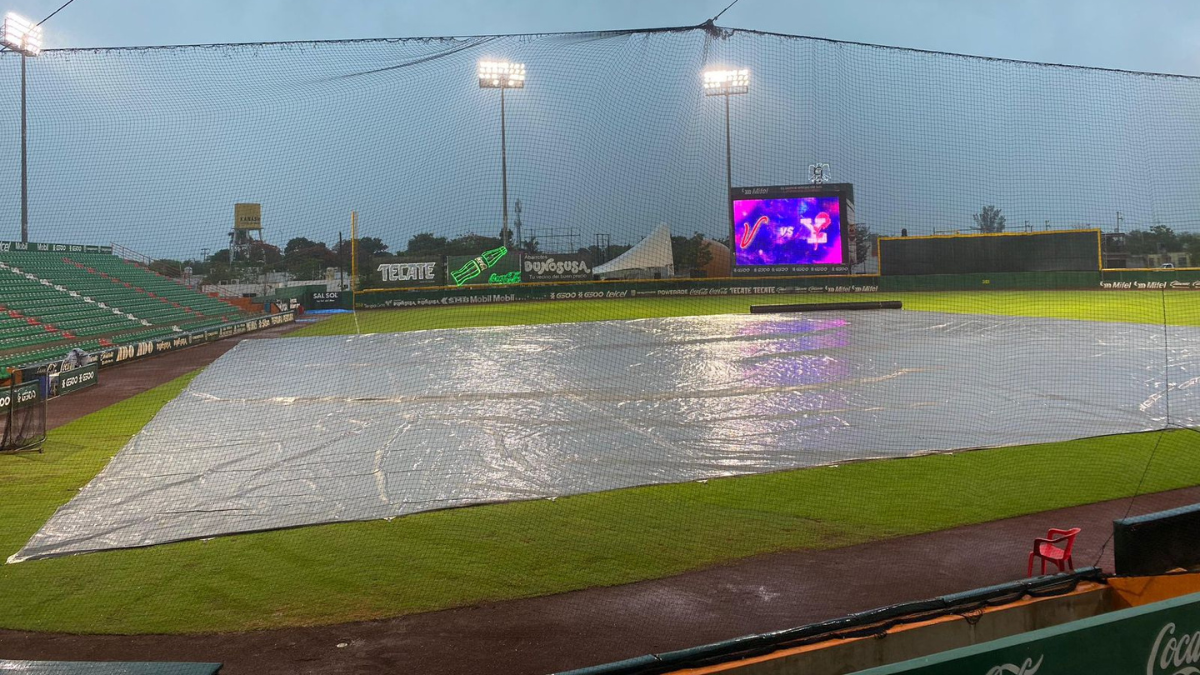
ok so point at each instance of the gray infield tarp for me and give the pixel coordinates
(296, 431)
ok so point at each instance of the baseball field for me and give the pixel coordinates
(329, 574)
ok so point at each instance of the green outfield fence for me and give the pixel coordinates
(1181, 279)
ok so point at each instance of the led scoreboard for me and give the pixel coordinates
(793, 230)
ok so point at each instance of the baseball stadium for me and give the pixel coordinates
(678, 350)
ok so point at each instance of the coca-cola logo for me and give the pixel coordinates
(1026, 667)
(1174, 655)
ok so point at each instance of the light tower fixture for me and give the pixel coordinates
(726, 82)
(502, 75)
(21, 35)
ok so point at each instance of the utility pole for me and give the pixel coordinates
(341, 263)
(517, 224)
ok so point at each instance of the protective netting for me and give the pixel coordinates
(1021, 387)
(612, 133)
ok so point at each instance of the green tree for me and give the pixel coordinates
(864, 242)
(167, 267)
(371, 246)
(299, 244)
(690, 253)
(989, 220)
(425, 243)
(1158, 239)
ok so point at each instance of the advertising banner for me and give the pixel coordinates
(139, 350)
(77, 378)
(36, 247)
(597, 290)
(1150, 280)
(327, 300)
(552, 267)
(498, 266)
(404, 272)
(1155, 639)
(247, 216)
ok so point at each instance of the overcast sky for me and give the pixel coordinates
(614, 135)
(1151, 35)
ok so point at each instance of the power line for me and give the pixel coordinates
(714, 19)
(64, 6)
(51, 16)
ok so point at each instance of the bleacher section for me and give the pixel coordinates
(51, 303)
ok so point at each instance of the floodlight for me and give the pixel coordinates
(501, 75)
(21, 35)
(725, 82)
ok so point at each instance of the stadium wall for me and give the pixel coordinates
(997, 281)
(134, 351)
(382, 298)
(1151, 280)
(1157, 543)
(1152, 639)
(1052, 251)
(596, 290)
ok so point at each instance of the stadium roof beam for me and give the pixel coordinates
(502, 75)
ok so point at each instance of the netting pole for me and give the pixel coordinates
(24, 163)
(354, 269)
(353, 254)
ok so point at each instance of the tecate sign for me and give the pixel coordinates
(419, 271)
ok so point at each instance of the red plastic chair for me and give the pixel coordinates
(1045, 549)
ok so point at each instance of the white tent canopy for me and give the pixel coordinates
(652, 254)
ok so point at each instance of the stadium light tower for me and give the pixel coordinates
(727, 83)
(23, 36)
(502, 75)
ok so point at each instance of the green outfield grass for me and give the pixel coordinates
(337, 573)
(1179, 307)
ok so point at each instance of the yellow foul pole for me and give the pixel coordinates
(353, 259)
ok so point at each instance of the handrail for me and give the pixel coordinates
(145, 260)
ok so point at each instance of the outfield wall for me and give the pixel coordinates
(382, 298)
(1151, 280)
(995, 281)
(596, 290)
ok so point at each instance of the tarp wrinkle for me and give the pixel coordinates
(393, 424)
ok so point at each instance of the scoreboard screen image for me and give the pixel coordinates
(775, 232)
(796, 231)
